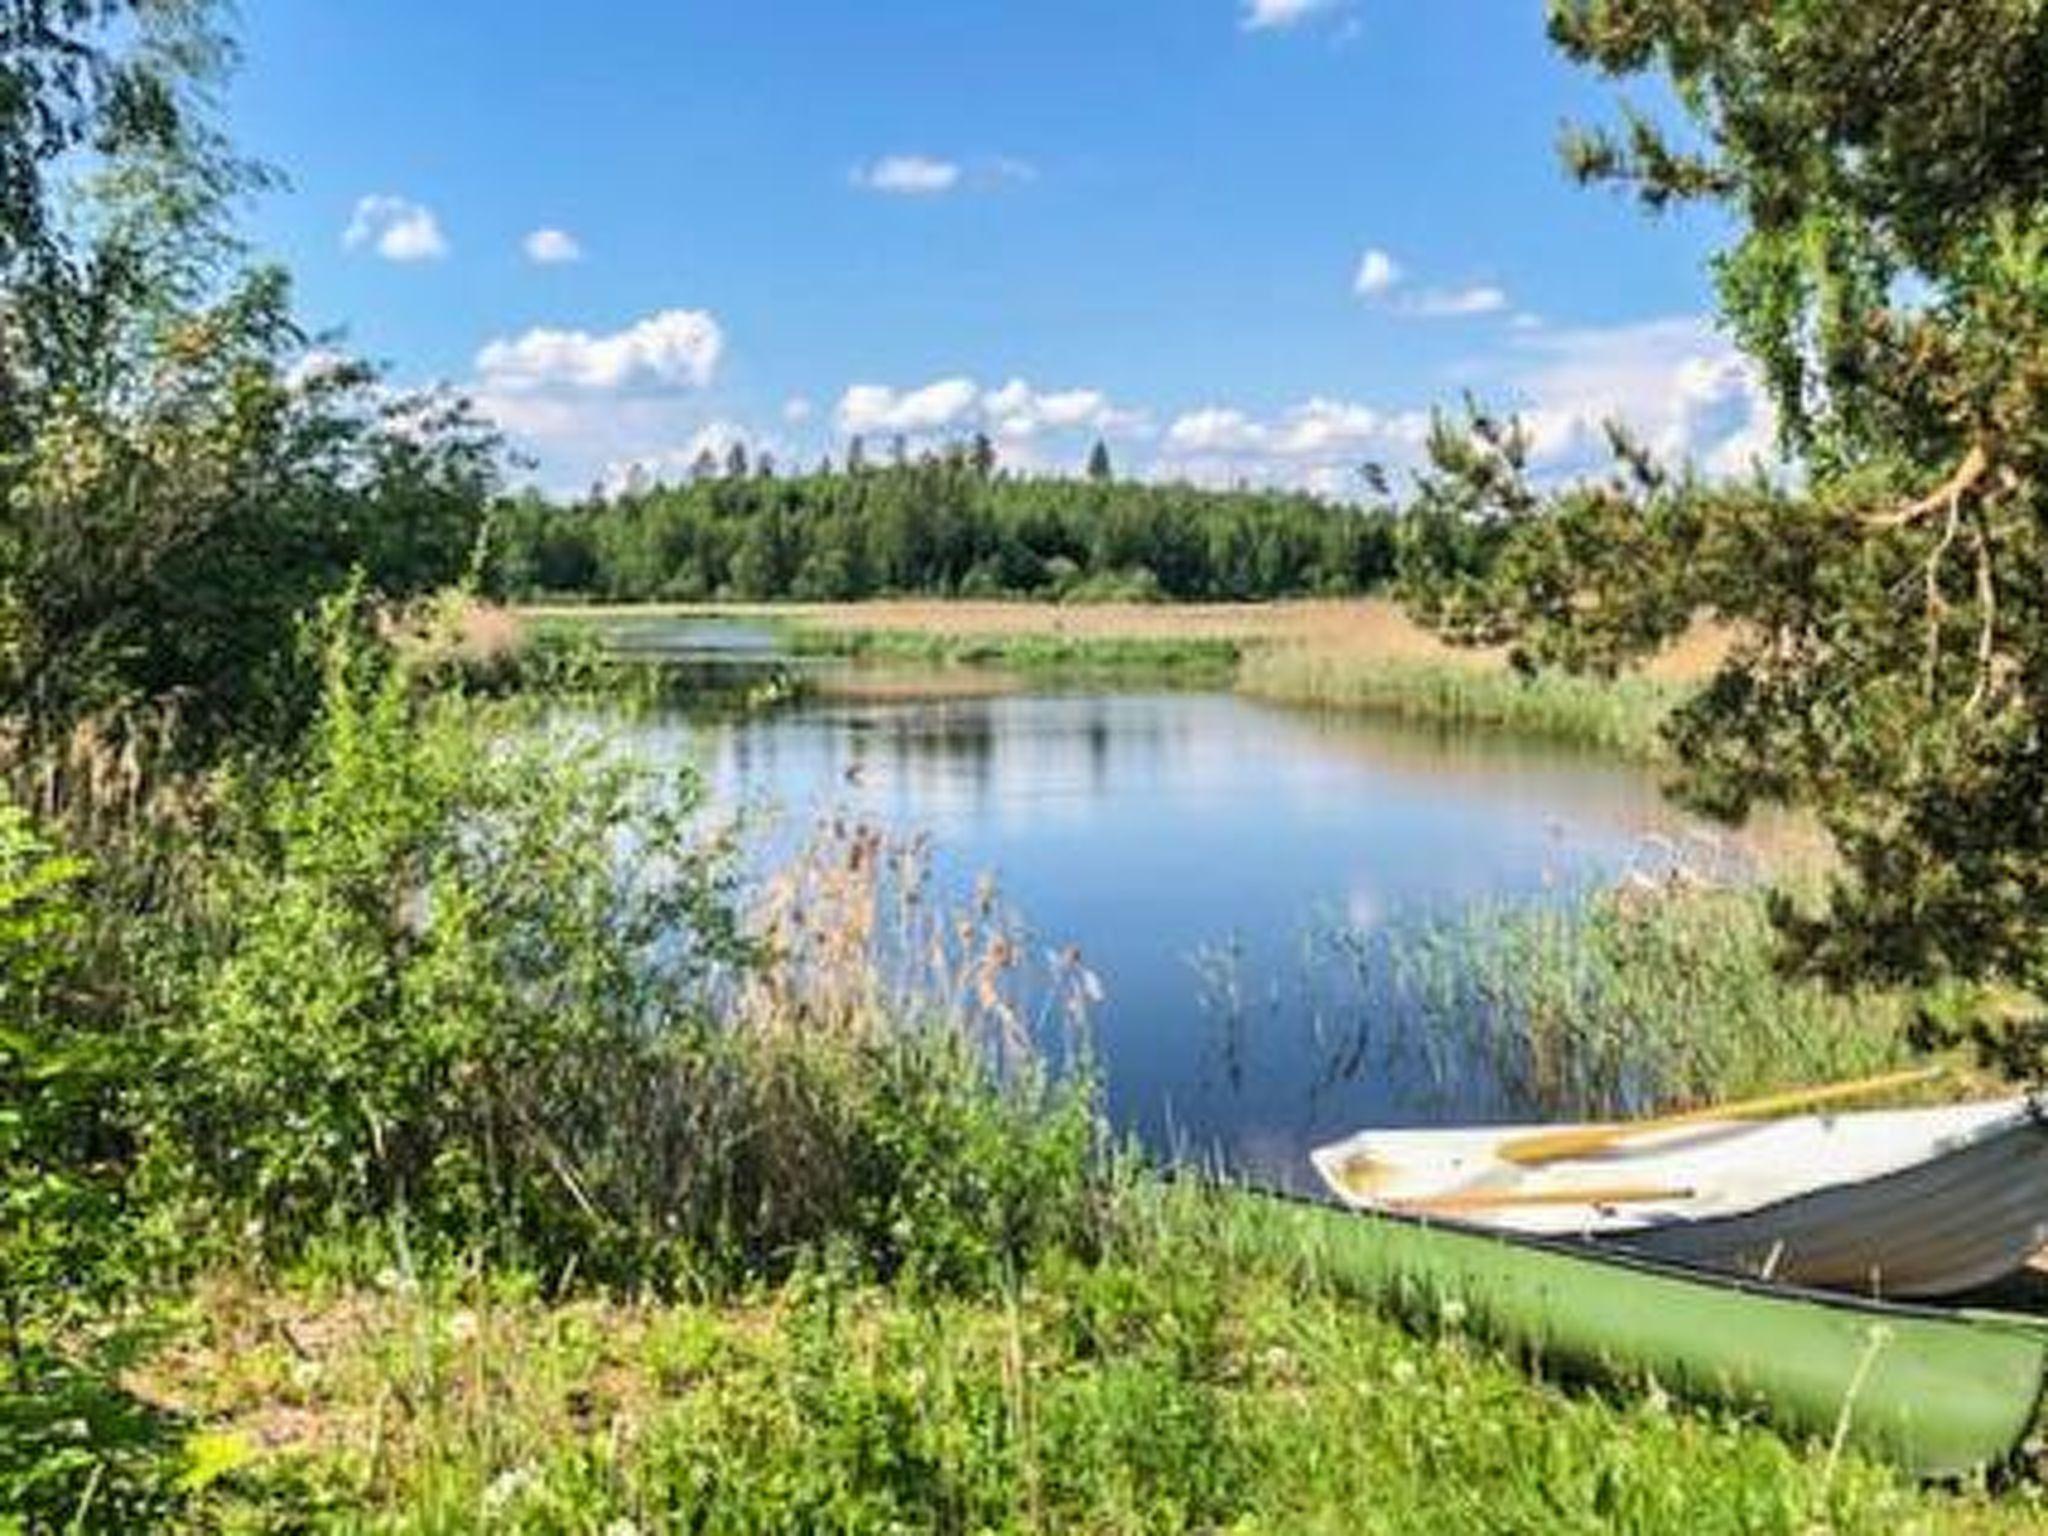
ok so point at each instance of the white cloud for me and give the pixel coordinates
(1377, 272)
(1277, 15)
(908, 175)
(1018, 411)
(1681, 385)
(1216, 429)
(395, 228)
(1317, 432)
(797, 410)
(1456, 303)
(1323, 427)
(552, 247)
(935, 408)
(676, 349)
(667, 465)
(1015, 413)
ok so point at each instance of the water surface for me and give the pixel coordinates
(1229, 870)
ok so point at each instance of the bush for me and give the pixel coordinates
(483, 982)
(71, 1439)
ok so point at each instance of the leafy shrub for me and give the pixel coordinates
(477, 978)
(75, 1449)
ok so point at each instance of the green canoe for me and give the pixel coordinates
(1938, 1392)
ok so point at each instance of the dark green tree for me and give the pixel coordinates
(1885, 165)
(1100, 470)
(182, 472)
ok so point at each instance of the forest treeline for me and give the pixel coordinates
(947, 523)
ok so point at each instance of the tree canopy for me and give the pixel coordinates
(947, 523)
(182, 471)
(1886, 166)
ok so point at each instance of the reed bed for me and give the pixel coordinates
(1186, 658)
(1623, 716)
(1656, 995)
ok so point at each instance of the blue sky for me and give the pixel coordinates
(1242, 239)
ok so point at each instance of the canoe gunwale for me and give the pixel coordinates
(1617, 1255)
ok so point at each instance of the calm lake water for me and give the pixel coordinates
(1237, 875)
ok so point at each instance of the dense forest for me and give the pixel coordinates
(946, 523)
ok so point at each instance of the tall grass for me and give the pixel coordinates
(1658, 994)
(1623, 716)
(1169, 1386)
(1186, 658)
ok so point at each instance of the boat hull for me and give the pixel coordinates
(1953, 1224)
(1899, 1203)
(1940, 1393)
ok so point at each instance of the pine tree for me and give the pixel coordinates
(1881, 162)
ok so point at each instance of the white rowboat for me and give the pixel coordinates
(1911, 1202)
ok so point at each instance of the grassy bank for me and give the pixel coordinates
(1186, 660)
(467, 1185)
(1623, 716)
(1363, 655)
(1165, 1387)
(942, 1304)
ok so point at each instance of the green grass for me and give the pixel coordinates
(802, 1256)
(1645, 997)
(1181, 659)
(1136, 1370)
(1622, 716)
(1168, 1387)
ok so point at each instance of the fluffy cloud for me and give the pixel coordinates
(1016, 412)
(1455, 303)
(1377, 273)
(676, 349)
(1681, 385)
(1216, 429)
(908, 175)
(1317, 429)
(797, 410)
(930, 176)
(1276, 15)
(668, 465)
(395, 228)
(552, 247)
(937, 407)
(1019, 411)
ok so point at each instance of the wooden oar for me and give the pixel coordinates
(1503, 1199)
(1588, 1140)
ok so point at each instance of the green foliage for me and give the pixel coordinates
(63, 92)
(73, 1443)
(482, 981)
(181, 472)
(946, 523)
(1173, 1386)
(56, 1077)
(1648, 997)
(1624, 716)
(1890, 277)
